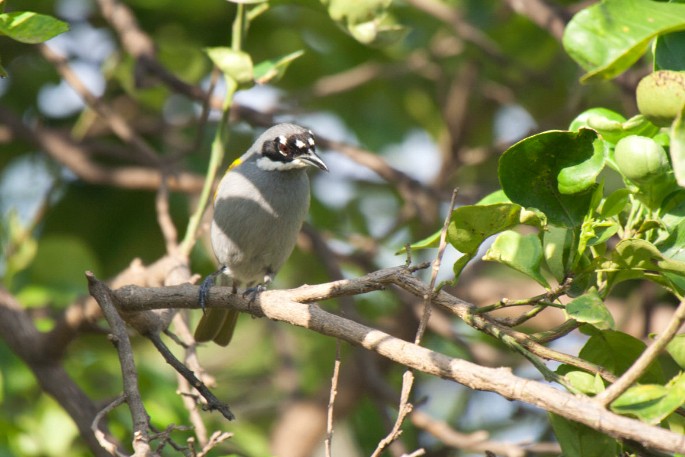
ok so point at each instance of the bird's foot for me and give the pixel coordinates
(252, 292)
(206, 285)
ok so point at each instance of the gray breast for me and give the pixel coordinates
(257, 216)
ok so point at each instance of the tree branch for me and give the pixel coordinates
(283, 306)
(141, 442)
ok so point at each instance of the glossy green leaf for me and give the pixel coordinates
(578, 440)
(652, 403)
(616, 351)
(273, 70)
(523, 253)
(582, 176)
(557, 243)
(30, 27)
(590, 308)
(597, 116)
(676, 349)
(669, 52)
(471, 225)
(677, 149)
(607, 38)
(585, 382)
(529, 170)
(612, 126)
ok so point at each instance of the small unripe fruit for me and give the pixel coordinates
(661, 96)
(641, 159)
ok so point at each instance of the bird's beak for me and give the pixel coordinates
(311, 158)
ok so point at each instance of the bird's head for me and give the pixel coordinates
(287, 147)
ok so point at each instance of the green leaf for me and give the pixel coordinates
(30, 27)
(236, 65)
(432, 241)
(273, 70)
(669, 52)
(585, 382)
(652, 403)
(590, 308)
(528, 172)
(607, 38)
(520, 252)
(676, 349)
(598, 116)
(615, 203)
(557, 245)
(636, 254)
(471, 225)
(368, 21)
(677, 149)
(578, 178)
(497, 196)
(616, 351)
(24, 247)
(578, 440)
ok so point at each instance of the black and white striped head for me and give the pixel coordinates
(287, 147)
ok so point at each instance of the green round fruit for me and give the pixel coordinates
(661, 96)
(641, 159)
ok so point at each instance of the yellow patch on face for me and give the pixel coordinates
(234, 164)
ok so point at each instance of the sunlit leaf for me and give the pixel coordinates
(30, 27)
(590, 308)
(523, 253)
(558, 250)
(608, 37)
(273, 70)
(676, 348)
(582, 176)
(529, 170)
(677, 149)
(652, 403)
(235, 64)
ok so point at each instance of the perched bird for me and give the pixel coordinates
(259, 208)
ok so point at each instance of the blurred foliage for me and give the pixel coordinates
(410, 66)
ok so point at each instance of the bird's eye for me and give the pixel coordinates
(283, 148)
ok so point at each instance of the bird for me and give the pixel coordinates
(259, 208)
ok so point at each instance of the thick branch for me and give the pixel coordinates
(281, 306)
(23, 339)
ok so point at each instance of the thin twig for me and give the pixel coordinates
(405, 409)
(166, 225)
(185, 336)
(646, 358)
(428, 298)
(214, 440)
(213, 403)
(103, 295)
(408, 378)
(331, 400)
(99, 435)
